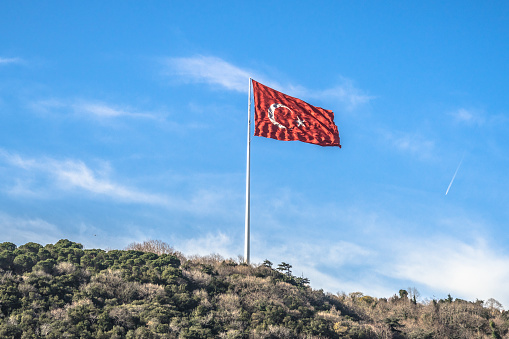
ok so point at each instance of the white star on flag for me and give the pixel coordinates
(300, 122)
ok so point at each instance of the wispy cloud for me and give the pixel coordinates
(412, 143)
(326, 262)
(320, 262)
(349, 96)
(211, 70)
(378, 252)
(439, 264)
(76, 174)
(6, 61)
(216, 71)
(45, 177)
(23, 230)
(103, 110)
(331, 281)
(469, 117)
(456, 267)
(210, 243)
(96, 109)
(71, 175)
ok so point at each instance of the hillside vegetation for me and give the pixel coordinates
(150, 291)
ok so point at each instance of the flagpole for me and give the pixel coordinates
(247, 230)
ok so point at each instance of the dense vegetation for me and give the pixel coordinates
(150, 291)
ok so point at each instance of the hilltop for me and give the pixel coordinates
(151, 291)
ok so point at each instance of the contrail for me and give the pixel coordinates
(454, 176)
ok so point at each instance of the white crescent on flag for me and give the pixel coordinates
(271, 112)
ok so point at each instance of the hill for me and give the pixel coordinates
(151, 291)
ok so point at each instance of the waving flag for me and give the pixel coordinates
(282, 117)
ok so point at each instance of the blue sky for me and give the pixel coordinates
(124, 121)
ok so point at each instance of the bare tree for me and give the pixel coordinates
(493, 304)
(413, 294)
(154, 246)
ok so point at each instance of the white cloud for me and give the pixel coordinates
(328, 264)
(23, 230)
(211, 70)
(437, 265)
(377, 254)
(210, 243)
(414, 144)
(16, 160)
(216, 71)
(97, 109)
(102, 110)
(328, 253)
(349, 95)
(343, 252)
(346, 94)
(91, 236)
(46, 177)
(75, 174)
(69, 175)
(452, 266)
(5, 61)
(470, 117)
(366, 283)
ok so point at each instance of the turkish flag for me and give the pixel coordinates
(282, 117)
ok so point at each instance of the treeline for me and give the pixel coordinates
(151, 291)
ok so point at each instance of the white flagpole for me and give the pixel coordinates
(246, 240)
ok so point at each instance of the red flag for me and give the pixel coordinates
(282, 117)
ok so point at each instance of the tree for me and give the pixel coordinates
(154, 246)
(24, 262)
(45, 265)
(285, 268)
(6, 258)
(413, 294)
(7, 246)
(493, 304)
(65, 243)
(302, 281)
(71, 292)
(267, 263)
(10, 331)
(31, 247)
